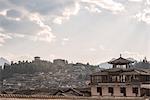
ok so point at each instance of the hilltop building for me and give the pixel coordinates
(60, 62)
(121, 80)
(37, 58)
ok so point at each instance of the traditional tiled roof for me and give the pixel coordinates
(120, 61)
(142, 71)
(100, 73)
(121, 71)
(66, 92)
(113, 70)
(135, 72)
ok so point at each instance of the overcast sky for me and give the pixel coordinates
(77, 30)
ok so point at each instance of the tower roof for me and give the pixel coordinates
(120, 61)
(36, 57)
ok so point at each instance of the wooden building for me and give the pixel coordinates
(121, 80)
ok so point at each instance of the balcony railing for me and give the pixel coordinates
(117, 83)
(121, 81)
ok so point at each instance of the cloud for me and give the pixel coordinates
(29, 25)
(45, 34)
(92, 49)
(3, 4)
(101, 47)
(17, 35)
(135, 0)
(3, 37)
(148, 2)
(110, 5)
(13, 13)
(67, 13)
(64, 41)
(144, 16)
(135, 55)
(27, 18)
(92, 8)
(44, 7)
(34, 18)
(3, 12)
(23, 26)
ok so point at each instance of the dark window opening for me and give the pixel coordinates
(111, 90)
(99, 90)
(135, 90)
(123, 90)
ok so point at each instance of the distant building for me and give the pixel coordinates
(37, 58)
(60, 62)
(121, 80)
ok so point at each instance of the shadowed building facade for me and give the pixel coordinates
(121, 80)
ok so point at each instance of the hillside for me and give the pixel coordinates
(45, 74)
(145, 65)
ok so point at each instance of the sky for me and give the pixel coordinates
(84, 31)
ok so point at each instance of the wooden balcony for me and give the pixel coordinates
(117, 84)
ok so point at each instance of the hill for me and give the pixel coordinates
(45, 74)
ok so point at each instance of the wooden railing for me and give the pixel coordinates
(117, 83)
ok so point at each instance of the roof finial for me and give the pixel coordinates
(120, 55)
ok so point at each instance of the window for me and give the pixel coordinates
(110, 90)
(99, 90)
(135, 90)
(123, 90)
